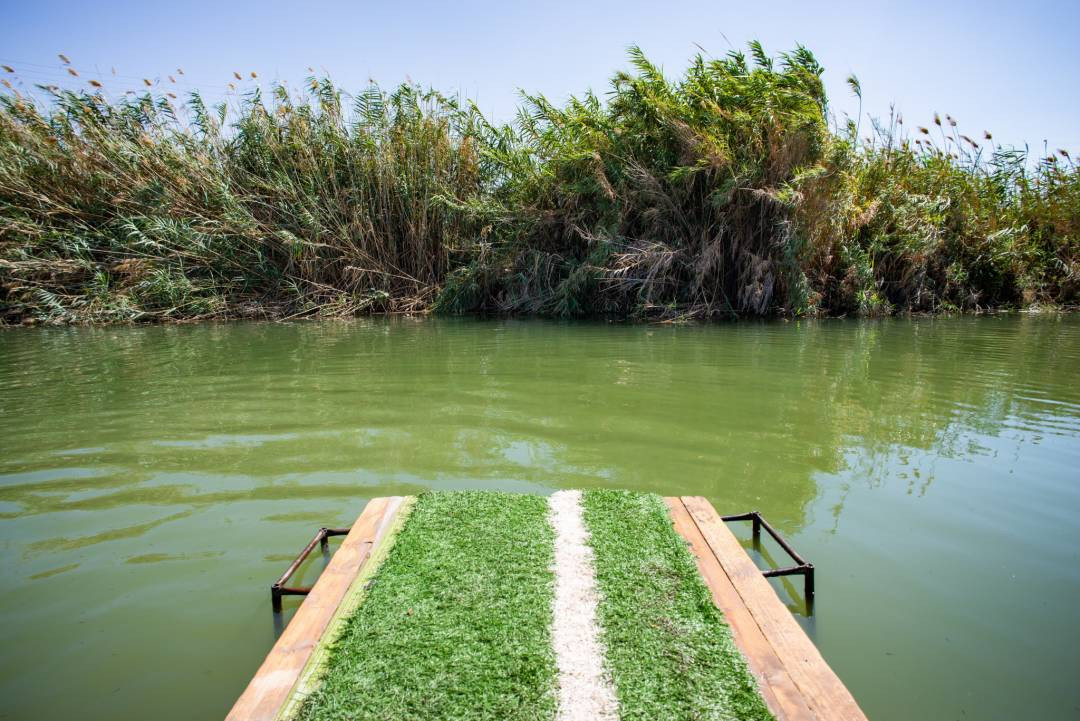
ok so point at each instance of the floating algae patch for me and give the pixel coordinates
(669, 651)
(54, 571)
(456, 622)
(162, 557)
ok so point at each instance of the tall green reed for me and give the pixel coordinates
(723, 192)
(124, 209)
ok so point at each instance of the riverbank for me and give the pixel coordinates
(276, 315)
(730, 191)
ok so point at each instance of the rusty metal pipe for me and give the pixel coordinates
(300, 558)
(783, 543)
(279, 589)
(789, 571)
(804, 567)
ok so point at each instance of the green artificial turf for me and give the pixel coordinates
(669, 651)
(456, 624)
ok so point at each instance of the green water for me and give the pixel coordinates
(154, 481)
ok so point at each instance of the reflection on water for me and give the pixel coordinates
(154, 481)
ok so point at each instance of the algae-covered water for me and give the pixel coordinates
(155, 480)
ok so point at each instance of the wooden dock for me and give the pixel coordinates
(794, 679)
(271, 690)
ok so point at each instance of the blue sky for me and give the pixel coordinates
(1009, 67)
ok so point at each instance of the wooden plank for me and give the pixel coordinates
(777, 687)
(315, 668)
(272, 684)
(820, 686)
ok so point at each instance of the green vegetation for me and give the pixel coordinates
(724, 192)
(124, 211)
(668, 648)
(456, 624)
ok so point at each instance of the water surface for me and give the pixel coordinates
(154, 481)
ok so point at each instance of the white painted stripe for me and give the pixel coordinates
(585, 692)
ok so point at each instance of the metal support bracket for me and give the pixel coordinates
(279, 589)
(802, 567)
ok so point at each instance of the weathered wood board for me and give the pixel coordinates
(277, 677)
(794, 679)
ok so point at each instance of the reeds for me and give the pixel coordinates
(671, 199)
(123, 210)
(724, 192)
(940, 222)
